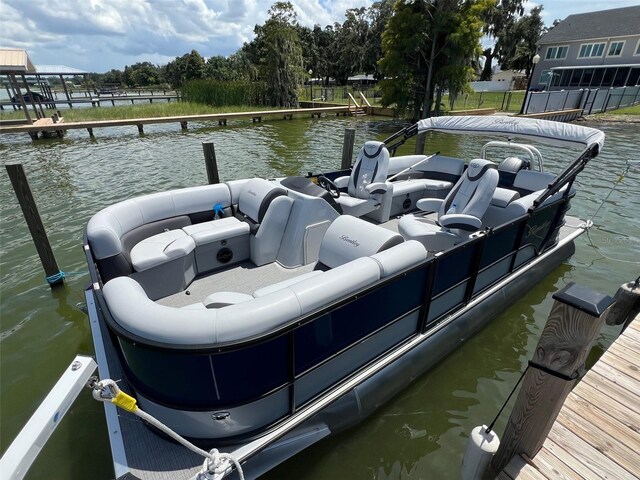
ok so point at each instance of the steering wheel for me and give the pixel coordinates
(329, 186)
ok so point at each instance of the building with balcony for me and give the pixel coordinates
(591, 50)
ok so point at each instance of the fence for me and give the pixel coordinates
(589, 100)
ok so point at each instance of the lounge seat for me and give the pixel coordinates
(459, 214)
(366, 184)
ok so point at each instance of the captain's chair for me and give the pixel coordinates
(366, 184)
(459, 214)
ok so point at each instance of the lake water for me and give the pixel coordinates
(422, 433)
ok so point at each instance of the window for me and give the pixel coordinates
(607, 79)
(587, 75)
(637, 49)
(597, 77)
(556, 53)
(615, 49)
(591, 50)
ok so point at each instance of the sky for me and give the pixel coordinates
(98, 35)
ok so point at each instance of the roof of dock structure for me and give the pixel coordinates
(15, 60)
(58, 70)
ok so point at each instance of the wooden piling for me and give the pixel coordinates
(573, 325)
(140, 128)
(183, 125)
(347, 148)
(34, 222)
(420, 143)
(210, 162)
(627, 304)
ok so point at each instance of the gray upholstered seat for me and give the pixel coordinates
(459, 214)
(366, 183)
(265, 207)
(161, 248)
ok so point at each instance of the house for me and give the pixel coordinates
(596, 49)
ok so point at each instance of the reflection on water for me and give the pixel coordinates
(421, 433)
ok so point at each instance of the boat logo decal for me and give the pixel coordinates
(350, 240)
(537, 229)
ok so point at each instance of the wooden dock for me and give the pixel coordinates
(597, 433)
(221, 118)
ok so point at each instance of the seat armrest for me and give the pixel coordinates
(342, 182)
(377, 188)
(429, 204)
(460, 221)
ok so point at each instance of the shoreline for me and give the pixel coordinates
(611, 118)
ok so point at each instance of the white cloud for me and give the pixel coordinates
(98, 35)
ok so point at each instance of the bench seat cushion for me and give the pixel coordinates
(285, 283)
(161, 248)
(216, 230)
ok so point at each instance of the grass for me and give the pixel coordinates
(158, 109)
(635, 110)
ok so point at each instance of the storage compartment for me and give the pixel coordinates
(222, 253)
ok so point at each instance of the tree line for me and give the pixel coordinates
(418, 49)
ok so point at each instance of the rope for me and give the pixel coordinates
(490, 427)
(61, 276)
(590, 221)
(55, 278)
(215, 463)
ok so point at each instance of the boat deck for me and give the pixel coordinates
(135, 447)
(597, 433)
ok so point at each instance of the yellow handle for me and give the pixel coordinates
(126, 402)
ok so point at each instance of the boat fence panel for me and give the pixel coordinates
(167, 376)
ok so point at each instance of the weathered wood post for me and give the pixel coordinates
(210, 162)
(420, 143)
(627, 303)
(575, 320)
(34, 222)
(347, 148)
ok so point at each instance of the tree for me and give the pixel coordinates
(528, 30)
(279, 55)
(141, 74)
(379, 14)
(190, 66)
(500, 20)
(428, 44)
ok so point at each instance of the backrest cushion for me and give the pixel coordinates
(473, 192)
(256, 196)
(371, 166)
(349, 238)
(528, 181)
(106, 228)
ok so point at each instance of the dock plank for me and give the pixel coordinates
(629, 344)
(553, 468)
(519, 468)
(622, 363)
(173, 119)
(581, 452)
(615, 406)
(596, 427)
(566, 458)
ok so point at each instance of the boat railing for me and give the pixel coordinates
(568, 175)
(22, 452)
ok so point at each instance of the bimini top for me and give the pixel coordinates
(556, 133)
